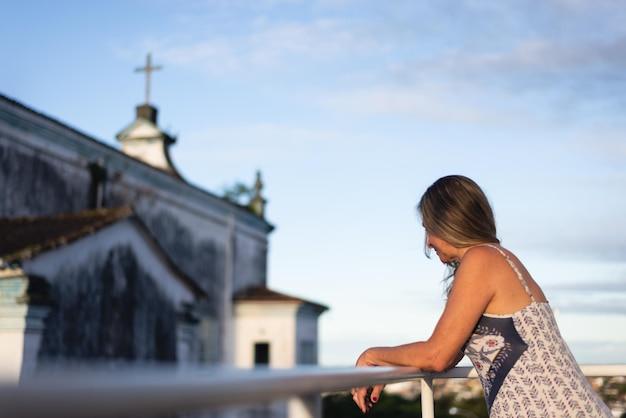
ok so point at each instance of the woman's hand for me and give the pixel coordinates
(366, 397)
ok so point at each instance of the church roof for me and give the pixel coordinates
(264, 294)
(118, 160)
(25, 237)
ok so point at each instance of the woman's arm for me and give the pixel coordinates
(471, 292)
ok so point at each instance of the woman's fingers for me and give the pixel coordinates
(376, 391)
(361, 398)
(357, 397)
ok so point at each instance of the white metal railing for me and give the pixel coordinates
(102, 394)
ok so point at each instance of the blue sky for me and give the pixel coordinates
(351, 109)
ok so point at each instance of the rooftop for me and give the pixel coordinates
(25, 237)
(264, 294)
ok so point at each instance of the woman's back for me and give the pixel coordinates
(524, 365)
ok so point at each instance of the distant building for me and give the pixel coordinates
(112, 255)
(264, 325)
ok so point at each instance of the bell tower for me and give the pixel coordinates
(143, 139)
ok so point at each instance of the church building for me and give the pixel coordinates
(111, 255)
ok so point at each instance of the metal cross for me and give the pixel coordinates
(148, 69)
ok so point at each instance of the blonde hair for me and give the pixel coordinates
(457, 210)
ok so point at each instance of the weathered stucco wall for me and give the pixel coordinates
(31, 183)
(250, 261)
(109, 308)
(35, 184)
(45, 169)
(199, 255)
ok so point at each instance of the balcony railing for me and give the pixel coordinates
(149, 392)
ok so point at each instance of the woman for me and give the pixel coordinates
(496, 314)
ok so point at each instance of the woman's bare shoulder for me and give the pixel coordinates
(486, 260)
(482, 254)
(481, 264)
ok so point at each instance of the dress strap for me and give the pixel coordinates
(514, 267)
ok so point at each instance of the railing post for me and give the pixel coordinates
(428, 402)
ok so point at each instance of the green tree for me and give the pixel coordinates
(237, 193)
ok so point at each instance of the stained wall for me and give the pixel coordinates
(47, 167)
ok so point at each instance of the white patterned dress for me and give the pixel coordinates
(525, 367)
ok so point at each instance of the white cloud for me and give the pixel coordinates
(603, 306)
(452, 102)
(250, 145)
(319, 38)
(263, 45)
(564, 70)
(608, 298)
(604, 294)
(577, 6)
(602, 286)
(528, 63)
(607, 143)
(602, 237)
